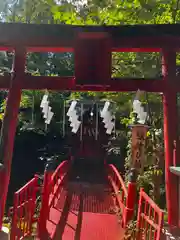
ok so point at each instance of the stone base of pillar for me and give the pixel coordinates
(4, 234)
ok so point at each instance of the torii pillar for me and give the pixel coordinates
(8, 129)
(170, 133)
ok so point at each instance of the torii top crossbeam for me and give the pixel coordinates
(93, 47)
(48, 37)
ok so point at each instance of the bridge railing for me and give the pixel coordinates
(23, 210)
(57, 181)
(51, 186)
(150, 219)
(125, 199)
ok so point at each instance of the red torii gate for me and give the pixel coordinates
(92, 46)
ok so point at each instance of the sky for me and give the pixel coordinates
(78, 2)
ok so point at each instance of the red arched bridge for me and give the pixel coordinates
(80, 204)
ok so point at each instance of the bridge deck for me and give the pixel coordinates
(84, 209)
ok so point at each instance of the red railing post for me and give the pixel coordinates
(14, 218)
(150, 218)
(23, 210)
(44, 212)
(131, 197)
(33, 204)
(24, 206)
